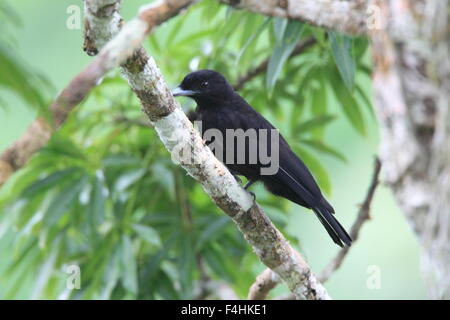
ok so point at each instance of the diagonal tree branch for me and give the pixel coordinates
(178, 135)
(348, 16)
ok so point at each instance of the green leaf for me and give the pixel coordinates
(186, 263)
(166, 287)
(218, 261)
(229, 12)
(341, 46)
(360, 46)
(316, 122)
(251, 24)
(319, 102)
(319, 96)
(319, 172)
(279, 27)
(16, 77)
(213, 231)
(96, 207)
(29, 248)
(129, 178)
(152, 268)
(55, 178)
(181, 19)
(366, 100)
(228, 27)
(44, 274)
(9, 13)
(112, 273)
(193, 38)
(154, 45)
(164, 177)
(318, 107)
(18, 182)
(252, 38)
(278, 216)
(350, 108)
(319, 34)
(210, 10)
(129, 268)
(148, 234)
(61, 145)
(320, 146)
(282, 51)
(365, 69)
(62, 201)
(121, 160)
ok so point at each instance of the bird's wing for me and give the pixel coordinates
(292, 170)
(293, 173)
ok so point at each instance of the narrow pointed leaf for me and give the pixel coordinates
(320, 146)
(341, 50)
(129, 268)
(282, 51)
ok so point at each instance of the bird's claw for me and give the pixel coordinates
(248, 184)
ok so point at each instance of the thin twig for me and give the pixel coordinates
(363, 216)
(265, 281)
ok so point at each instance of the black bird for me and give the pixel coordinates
(220, 107)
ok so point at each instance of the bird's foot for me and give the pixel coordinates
(248, 184)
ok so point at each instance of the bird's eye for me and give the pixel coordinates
(204, 84)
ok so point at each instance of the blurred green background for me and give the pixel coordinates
(386, 241)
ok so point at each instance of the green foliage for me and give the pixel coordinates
(341, 49)
(16, 75)
(287, 34)
(104, 195)
(248, 37)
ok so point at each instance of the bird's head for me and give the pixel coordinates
(204, 85)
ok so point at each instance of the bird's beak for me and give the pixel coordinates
(181, 92)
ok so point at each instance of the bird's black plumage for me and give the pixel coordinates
(220, 107)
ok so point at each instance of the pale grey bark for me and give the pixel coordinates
(411, 51)
(348, 16)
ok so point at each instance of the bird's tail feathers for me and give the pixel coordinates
(333, 227)
(323, 210)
